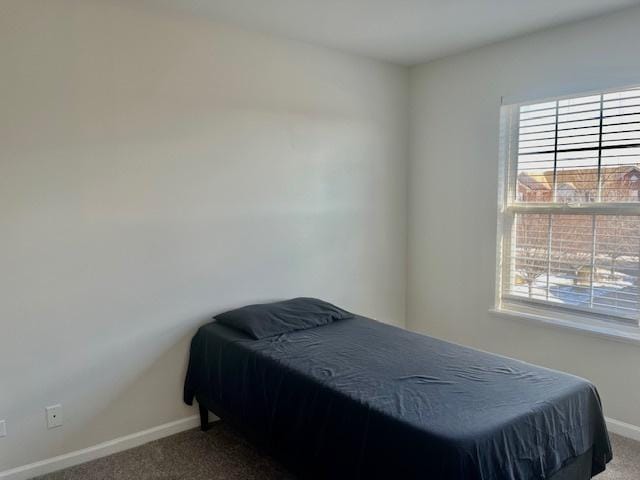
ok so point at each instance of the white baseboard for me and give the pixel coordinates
(623, 429)
(101, 450)
(140, 438)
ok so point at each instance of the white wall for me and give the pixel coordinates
(156, 169)
(453, 202)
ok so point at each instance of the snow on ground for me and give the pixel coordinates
(619, 291)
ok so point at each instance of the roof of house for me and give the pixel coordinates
(534, 181)
(586, 177)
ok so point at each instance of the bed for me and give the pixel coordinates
(361, 399)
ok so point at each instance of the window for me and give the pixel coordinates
(569, 227)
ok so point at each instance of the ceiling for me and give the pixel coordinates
(401, 31)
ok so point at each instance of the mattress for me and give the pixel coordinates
(361, 399)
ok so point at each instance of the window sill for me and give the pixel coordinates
(621, 333)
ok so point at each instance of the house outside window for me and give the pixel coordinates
(569, 206)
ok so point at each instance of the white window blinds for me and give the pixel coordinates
(571, 205)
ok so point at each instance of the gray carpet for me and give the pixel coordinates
(222, 454)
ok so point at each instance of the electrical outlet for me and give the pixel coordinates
(54, 416)
(3, 428)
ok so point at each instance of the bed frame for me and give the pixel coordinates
(204, 417)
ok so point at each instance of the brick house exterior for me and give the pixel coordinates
(620, 184)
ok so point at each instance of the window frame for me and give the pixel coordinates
(509, 205)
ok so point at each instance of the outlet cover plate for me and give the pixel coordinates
(3, 428)
(54, 416)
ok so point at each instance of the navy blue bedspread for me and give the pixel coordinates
(361, 399)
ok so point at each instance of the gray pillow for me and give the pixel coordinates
(268, 319)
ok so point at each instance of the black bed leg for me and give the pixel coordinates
(204, 417)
